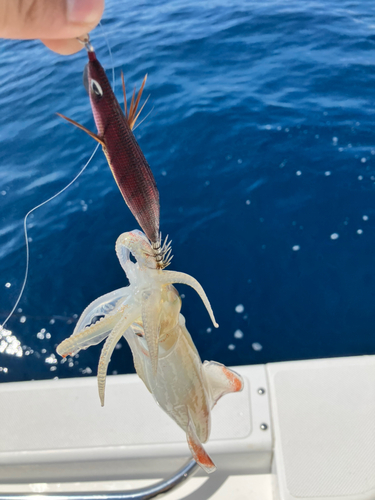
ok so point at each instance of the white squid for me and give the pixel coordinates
(147, 314)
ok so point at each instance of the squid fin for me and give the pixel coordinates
(221, 380)
(91, 134)
(199, 453)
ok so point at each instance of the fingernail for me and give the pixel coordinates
(84, 11)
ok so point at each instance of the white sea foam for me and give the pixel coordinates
(238, 334)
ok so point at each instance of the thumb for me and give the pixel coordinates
(51, 20)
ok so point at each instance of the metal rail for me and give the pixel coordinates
(158, 489)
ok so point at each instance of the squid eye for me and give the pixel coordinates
(96, 88)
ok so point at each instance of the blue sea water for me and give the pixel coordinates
(262, 143)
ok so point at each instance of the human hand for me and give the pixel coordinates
(57, 23)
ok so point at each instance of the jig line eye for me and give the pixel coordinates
(96, 88)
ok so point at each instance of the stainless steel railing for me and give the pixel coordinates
(153, 491)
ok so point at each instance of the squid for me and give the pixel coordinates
(147, 314)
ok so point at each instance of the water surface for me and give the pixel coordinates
(262, 143)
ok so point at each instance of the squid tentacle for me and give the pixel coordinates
(171, 277)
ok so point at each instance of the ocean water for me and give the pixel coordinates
(262, 142)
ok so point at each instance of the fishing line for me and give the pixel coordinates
(52, 198)
(110, 55)
(26, 235)
(148, 114)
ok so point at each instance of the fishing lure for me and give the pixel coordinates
(147, 314)
(124, 155)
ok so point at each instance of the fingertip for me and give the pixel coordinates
(64, 47)
(49, 19)
(84, 12)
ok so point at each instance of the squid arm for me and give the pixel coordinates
(108, 348)
(91, 335)
(151, 310)
(172, 277)
(101, 306)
